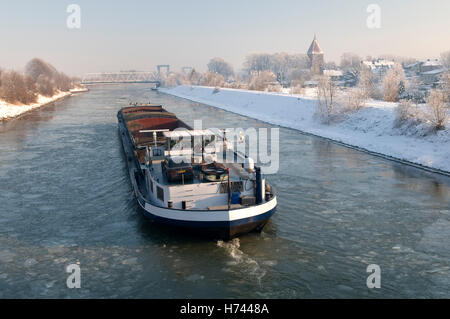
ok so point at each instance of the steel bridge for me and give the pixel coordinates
(121, 77)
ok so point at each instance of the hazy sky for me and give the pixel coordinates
(137, 34)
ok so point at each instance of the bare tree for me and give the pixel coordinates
(284, 66)
(40, 78)
(279, 65)
(331, 65)
(445, 59)
(350, 62)
(297, 87)
(437, 108)
(171, 80)
(392, 83)
(45, 86)
(356, 99)
(366, 82)
(37, 67)
(445, 80)
(63, 82)
(218, 65)
(258, 63)
(326, 98)
(405, 112)
(194, 77)
(46, 76)
(14, 89)
(260, 81)
(274, 87)
(213, 79)
(31, 87)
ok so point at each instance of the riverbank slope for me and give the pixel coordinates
(9, 111)
(371, 128)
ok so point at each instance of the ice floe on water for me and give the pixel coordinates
(435, 238)
(130, 261)
(6, 256)
(30, 262)
(195, 277)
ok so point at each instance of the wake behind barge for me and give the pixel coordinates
(178, 179)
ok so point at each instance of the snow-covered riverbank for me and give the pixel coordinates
(8, 111)
(371, 128)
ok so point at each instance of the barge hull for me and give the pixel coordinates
(217, 230)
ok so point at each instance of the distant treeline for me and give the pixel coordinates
(40, 78)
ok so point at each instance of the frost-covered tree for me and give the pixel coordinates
(367, 83)
(326, 98)
(220, 66)
(212, 79)
(331, 65)
(445, 59)
(393, 82)
(437, 108)
(356, 99)
(171, 80)
(258, 63)
(279, 65)
(350, 62)
(282, 65)
(194, 77)
(407, 112)
(260, 81)
(397, 59)
(445, 80)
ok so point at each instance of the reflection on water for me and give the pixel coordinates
(66, 198)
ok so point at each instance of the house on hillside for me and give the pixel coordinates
(422, 66)
(432, 77)
(428, 72)
(379, 67)
(334, 75)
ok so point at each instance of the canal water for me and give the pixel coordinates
(65, 198)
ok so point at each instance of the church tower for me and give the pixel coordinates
(315, 55)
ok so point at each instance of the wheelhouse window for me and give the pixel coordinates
(160, 193)
(157, 152)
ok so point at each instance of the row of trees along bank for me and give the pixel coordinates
(39, 78)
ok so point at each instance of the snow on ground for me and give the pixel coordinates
(79, 90)
(371, 128)
(11, 110)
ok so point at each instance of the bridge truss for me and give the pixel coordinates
(120, 77)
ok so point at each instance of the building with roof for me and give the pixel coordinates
(428, 71)
(378, 66)
(315, 55)
(423, 66)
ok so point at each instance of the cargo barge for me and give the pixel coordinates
(178, 178)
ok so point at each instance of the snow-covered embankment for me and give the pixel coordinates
(371, 128)
(8, 111)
